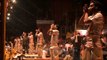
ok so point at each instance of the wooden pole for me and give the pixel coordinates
(4, 26)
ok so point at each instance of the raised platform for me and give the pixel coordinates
(41, 59)
(37, 59)
(32, 57)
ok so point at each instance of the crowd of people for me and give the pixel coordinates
(77, 47)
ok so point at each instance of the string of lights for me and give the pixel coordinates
(10, 4)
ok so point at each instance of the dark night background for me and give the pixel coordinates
(64, 12)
